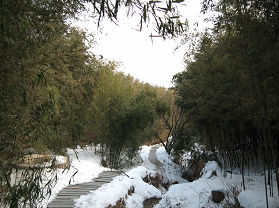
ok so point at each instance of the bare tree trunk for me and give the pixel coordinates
(265, 186)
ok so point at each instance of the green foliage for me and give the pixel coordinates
(164, 15)
(55, 94)
(229, 92)
(38, 96)
(121, 115)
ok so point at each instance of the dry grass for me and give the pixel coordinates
(121, 202)
(156, 180)
(152, 142)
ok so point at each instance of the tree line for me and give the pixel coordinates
(55, 93)
(229, 91)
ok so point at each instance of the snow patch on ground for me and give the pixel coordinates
(198, 193)
(209, 168)
(195, 194)
(84, 162)
(61, 159)
(110, 193)
(256, 199)
(144, 153)
(170, 171)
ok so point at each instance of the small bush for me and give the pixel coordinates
(104, 163)
(156, 181)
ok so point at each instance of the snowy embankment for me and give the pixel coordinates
(186, 194)
(110, 193)
(170, 171)
(198, 194)
(85, 165)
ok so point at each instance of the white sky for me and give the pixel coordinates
(149, 61)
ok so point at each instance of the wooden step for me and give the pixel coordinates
(65, 198)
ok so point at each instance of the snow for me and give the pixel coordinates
(186, 194)
(84, 162)
(118, 188)
(143, 190)
(60, 159)
(209, 168)
(144, 155)
(170, 171)
(195, 150)
(256, 199)
(198, 193)
(180, 195)
(87, 163)
(110, 193)
(195, 194)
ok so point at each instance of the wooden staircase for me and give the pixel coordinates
(65, 198)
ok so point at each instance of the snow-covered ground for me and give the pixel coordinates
(185, 194)
(118, 188)
(198, 193)
(85, 165)
(110, 193)
(169, 170)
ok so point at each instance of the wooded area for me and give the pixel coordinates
(55, 93)
(230, 89)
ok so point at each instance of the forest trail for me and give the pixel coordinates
(152, 156)
(65, 198)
